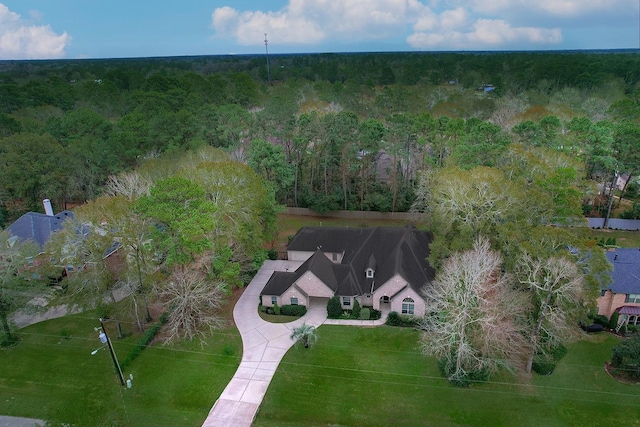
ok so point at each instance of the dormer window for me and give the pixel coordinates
(369, 273)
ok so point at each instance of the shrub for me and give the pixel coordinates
(145, 340)
(365, 313)
(465, 380)
(293, 310)
(625, 359)
(393, 319)
(374, 314)
(334, 308)
(262, 309)
(544, 364)
(276, 309)
(601, 320)
(272, 254)
(613, 321)
(355, 313)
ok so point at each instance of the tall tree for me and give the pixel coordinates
(556, 288)
(15, 290)
(183, 219)
(269, 162)
(473, 327)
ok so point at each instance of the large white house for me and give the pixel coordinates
(382, 267)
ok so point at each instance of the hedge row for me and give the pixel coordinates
(145, 340)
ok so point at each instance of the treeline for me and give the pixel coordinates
(343, 131)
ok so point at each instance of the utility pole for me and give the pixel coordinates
(612, 193)
(266, 48)
(104, 338)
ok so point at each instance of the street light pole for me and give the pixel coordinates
(105, 340)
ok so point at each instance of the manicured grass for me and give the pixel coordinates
(624, 239)
(377, 377)
(273, 318)
(54, 378)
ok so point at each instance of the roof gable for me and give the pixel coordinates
(38, 227)
(625, 277)
(390, 251)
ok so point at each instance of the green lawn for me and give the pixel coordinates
(377, 377)
(624, 239)
(53, 378)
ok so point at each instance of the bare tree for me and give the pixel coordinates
(128, 184)
(557, 288)
(193, 304)
(471, 325)
(475, 199)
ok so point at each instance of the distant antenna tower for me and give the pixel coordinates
(266, 48)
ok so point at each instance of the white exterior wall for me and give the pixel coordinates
(293, 291)
(313, 286)
(390, 288)
(418, 302)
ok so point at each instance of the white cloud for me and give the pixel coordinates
(551, 8)
(433, 24)
(21, 40)
(485, 34)
(312, 21)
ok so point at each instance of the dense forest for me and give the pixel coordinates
(327, 131)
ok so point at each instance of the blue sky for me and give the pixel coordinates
(40, 29)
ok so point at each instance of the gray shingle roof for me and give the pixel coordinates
(390, 250)
(626, 270)
(38, 227)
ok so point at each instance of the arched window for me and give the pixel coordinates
(408, 306)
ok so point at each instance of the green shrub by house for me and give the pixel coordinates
(365, 314)
(355, 313)
(393, 319)
(334, 308)
(613, 321)
(276, 309)
(293, 310)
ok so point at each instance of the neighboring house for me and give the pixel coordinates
(382, 267)
(38, 227)
(623, 294)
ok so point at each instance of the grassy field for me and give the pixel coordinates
(51, 375)
(377, 377)
(624, 239)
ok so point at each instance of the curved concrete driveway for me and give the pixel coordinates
(264, 344)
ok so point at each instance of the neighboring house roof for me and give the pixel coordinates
(38, 227)
(625, 277)
(389, 251)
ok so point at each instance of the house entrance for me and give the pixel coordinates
(384, 299)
